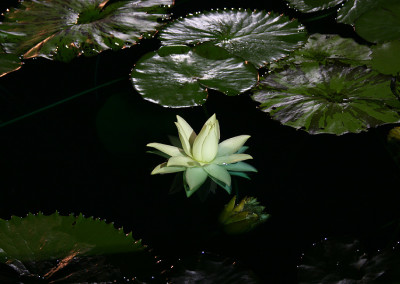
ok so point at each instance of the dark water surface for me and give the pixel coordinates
(88, 155)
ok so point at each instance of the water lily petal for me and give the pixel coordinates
(218, 172)
(240, 167)
(167, 149)
(195, 177)
(234, 158)
(186, 135)
(205, 146)
(164, 169)
(182, 162)
(231, 145)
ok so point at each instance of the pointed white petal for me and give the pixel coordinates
(182, 162)
(231, 145)
(186, 135)
(164, 169)
(219, 173)
(195, 177)
(240, 167)
(167, 149)
(234, 158)
(205, 147)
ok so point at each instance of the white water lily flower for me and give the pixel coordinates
(202, 156)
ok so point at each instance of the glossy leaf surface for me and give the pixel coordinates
(179, 76)
(329, 99)
(63, 29)
(64, 247)
(325, 48)
(258, 37)
(310, 6)
(385, 57)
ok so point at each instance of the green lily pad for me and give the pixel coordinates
(180, 76)
(352, 9)
(325, 48)
(381, 23)
(258, 37)
(9, 63)
(310, 6)
(66, 247)
(329, 99)
(63, 29)
(385, 57)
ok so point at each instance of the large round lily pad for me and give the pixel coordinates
(381, 23)
(385, 57)
(179, 76)
(258, 37)
(68, 248)
(329, 99)
(310, 6)
(325, 48)
(62, 29)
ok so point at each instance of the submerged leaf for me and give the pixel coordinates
(258, 37)
(181, 79)
(66, 247)
(310, 6)
(63, 29)
(329, 99)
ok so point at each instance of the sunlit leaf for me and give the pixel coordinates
(63, 29)
(179, 77)
(325, 48)
(68, 248)
(258, 37)
(310, 6)
(329, 99)
(381, 23)
(385, 57)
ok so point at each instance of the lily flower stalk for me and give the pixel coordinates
(202, 156)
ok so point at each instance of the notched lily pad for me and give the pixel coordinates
(258, 37)
(68, 248)
(63, 29)
(327, 48)
(310, 6)
(329, 99)
(179, 77)
(381, 23)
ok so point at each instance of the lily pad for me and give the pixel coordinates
(329, 99)
(180, 76)
(66, 247)
(325, 48)
(385, 57)
(381, 23)
(8, 63)
(310, 6)
(352, 9)
(258, 37)
(63, 29)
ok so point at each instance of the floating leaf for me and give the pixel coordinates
(385, 57)
(62, 29)
(324, 48)
(352, 9)
(381, 23)
(8, 63)
(258, 37)
(329, 99)
(310, 6)
(66, 247)
(179, 76)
